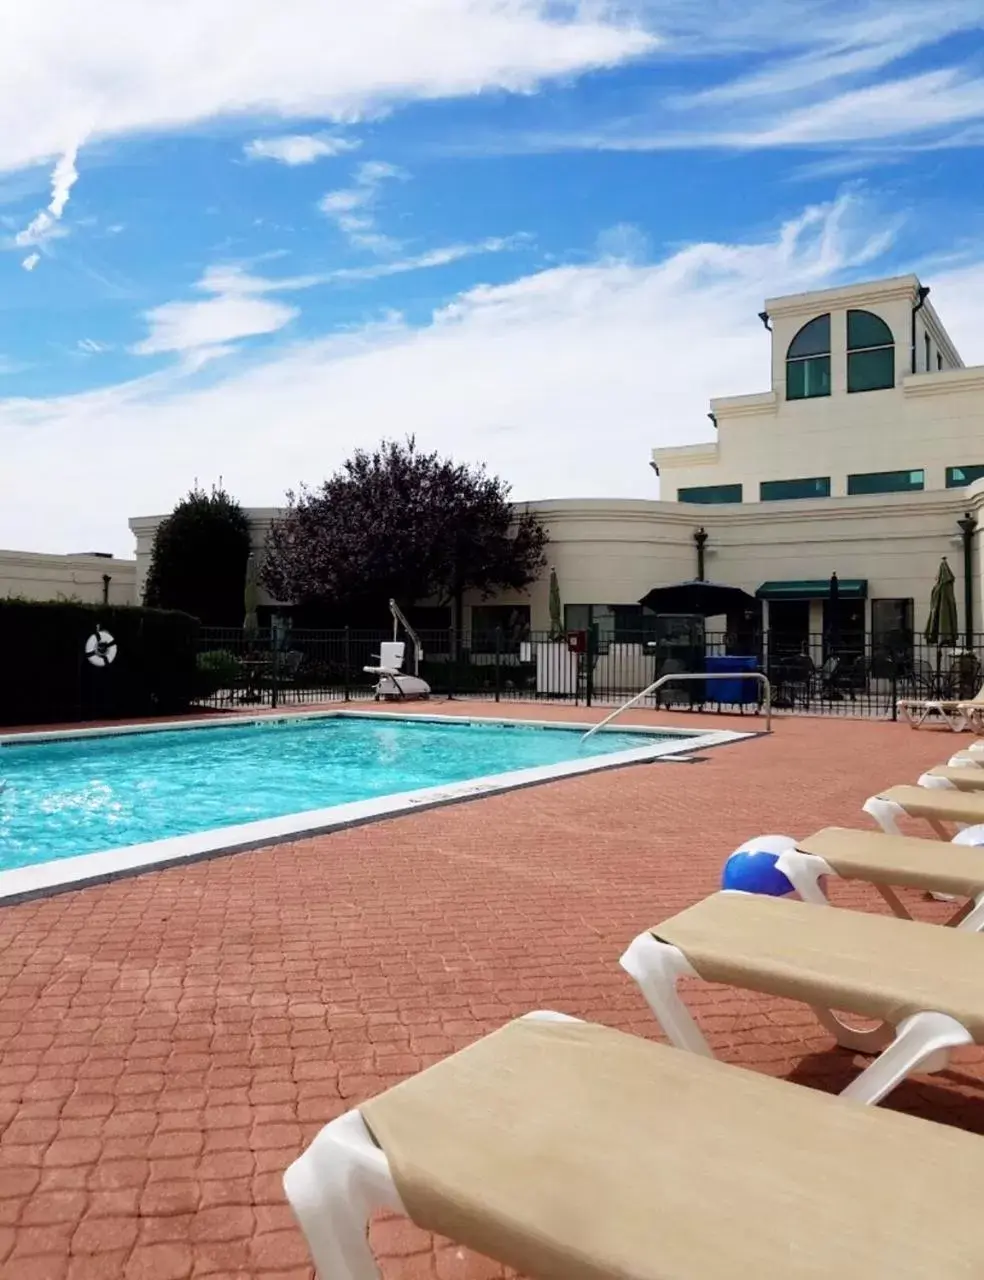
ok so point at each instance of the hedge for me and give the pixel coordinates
(45, 676)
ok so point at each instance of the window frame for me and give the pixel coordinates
(951, 483)
(853, 492)
(793, 497)
(810, 360)
(711, 488)
(857, 352)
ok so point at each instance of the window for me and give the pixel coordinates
(892, 636)
(711, 493)
(870, 353)
(929, 352)
(808, 361)
(887, 482)
(939, 360)
(778, 490)
(512, 621)
(958, 476)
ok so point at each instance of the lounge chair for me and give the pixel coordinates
(922, 983)
(936, 805)
(953, 778)
(573, 1152)
(957, 713)
(888, 861)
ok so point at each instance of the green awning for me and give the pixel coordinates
(813, 589)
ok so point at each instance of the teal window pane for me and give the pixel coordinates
(812, 340)
(711, 493)
(957, 476)
(782, 490)
(806, 379)
(871, 370)
(887, 482)
(867, 330)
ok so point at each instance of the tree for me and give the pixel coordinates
(198, 563)
(403, 524)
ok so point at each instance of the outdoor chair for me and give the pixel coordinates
(570, 1151)
(935, 805)
(955, 713)
(921, 983)
(886, 863)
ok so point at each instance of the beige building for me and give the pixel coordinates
(859, 460)
(88, 577)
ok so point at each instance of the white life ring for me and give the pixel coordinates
(100, 648)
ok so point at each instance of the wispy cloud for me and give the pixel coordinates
(299, 148)
(92, 347)
(44, 225)
(352, 209)
(119, 67)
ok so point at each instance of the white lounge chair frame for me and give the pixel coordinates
(339, 1182)
(919, 1043)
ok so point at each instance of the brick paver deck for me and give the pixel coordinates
(169, 1043)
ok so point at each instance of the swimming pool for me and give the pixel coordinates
(181, 791)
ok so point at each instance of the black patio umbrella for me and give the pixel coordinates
(708, 599)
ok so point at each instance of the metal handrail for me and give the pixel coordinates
(692, 675)
(399, 619)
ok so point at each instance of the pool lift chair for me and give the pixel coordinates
(394, 682)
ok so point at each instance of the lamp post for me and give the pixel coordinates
(700, 542)
(967, 526)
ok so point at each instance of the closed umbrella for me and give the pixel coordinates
(941, 626)
(251, 597)
(556, 625)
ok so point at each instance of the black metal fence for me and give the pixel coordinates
(814, 674)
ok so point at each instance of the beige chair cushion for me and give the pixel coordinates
(875, 966)
(937, 802)
(963, 778)
(573, 1152)
(932, 865)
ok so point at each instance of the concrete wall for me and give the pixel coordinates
(609, 551)
(34, 576)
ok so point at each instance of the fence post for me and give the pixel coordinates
(275, 659)
(346, 660)
(895, 689)
(498, 662)
(589, 652)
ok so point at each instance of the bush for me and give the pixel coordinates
(46, 677)
(217, 669)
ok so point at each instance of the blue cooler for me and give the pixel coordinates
(737, 692)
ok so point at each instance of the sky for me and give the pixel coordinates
(238, 240)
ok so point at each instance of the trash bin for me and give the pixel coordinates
(735, 692)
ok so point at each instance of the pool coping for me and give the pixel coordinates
(62, 874)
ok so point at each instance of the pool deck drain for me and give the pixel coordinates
(169, 1043)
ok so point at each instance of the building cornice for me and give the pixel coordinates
(898, 289)
(38, 559)
(945, 382)
(750, 406)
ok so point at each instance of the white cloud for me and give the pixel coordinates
(44, 225)
(298, 148)
(825, 73)
(352, 209)
(235, 311)
(593, 365)
(123, 66)
(92, 347)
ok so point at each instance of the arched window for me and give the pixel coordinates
(870, 353)
(808, 361)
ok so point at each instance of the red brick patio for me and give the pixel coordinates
(169, 1043)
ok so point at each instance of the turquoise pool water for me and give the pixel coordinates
(83, 795)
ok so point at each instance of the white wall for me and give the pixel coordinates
(34, 576)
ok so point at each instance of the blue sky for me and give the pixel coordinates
(240, 239)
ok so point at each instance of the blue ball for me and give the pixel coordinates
(754, 871)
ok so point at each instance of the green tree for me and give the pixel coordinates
(198, 563)
(404, 524)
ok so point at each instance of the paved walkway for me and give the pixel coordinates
(169, 1043)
